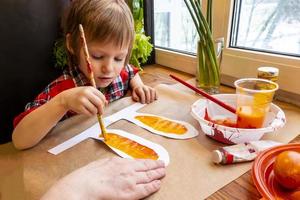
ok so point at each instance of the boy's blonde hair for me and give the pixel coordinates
(103, 21)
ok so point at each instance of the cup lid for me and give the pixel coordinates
(216, 156)
(273, 71)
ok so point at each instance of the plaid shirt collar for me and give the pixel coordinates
(78, 77)
(112, 91)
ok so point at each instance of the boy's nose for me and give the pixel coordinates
(107, 67)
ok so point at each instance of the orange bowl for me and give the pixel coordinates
(263, 174)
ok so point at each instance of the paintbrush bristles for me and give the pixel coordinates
(102, 126)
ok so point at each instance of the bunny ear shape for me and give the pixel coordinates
(163, 126)
(128, 145)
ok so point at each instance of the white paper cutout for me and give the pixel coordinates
(95, 129)
(74, 140)
(161, 151)
(128, 114)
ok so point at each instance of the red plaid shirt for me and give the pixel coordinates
(73, 78)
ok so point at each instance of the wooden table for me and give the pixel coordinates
(15, 169)
(241, 188)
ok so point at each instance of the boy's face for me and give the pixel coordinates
(107, 62)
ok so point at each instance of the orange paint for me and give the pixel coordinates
(162, 125)
(130, 147)
(224, 122)
(249, 117)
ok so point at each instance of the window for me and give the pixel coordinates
(267, 25)
(173, 26)
(256, 32)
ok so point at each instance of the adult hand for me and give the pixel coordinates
(85, 100)
(114, 178)
(144, 94)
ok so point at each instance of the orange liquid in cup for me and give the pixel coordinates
(249, 117)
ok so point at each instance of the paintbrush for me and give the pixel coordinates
(91, 75)
(208, 96)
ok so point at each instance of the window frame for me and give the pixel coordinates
(234, 58)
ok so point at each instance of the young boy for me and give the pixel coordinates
(109, 31)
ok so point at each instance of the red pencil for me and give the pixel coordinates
(208, 96)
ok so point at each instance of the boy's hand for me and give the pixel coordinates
(144, 94)
(85, 100)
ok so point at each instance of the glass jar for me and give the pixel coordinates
(269, 73)
(209, 57)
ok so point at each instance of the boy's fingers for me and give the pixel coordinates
(83, 110)
(141, 94)
(98, 103)
(147, 94)
(90, 107)
(135, 96)
(156, 95)
(99, 94)
(153, 94)
(100, 109)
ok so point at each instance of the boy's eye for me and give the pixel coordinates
(97, 57)
(119, 59)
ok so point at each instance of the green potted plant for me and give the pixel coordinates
(142, 47)
(208, 69)
(60, 54)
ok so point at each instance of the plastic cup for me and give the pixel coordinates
(254, 97)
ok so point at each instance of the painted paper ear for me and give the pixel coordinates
(129, 145)
(163, 126)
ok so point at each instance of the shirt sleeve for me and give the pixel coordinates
(128, 72)
(49, 92)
